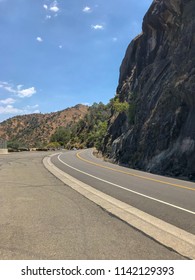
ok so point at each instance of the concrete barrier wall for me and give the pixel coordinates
(3, 151)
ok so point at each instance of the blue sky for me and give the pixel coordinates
(56, 54)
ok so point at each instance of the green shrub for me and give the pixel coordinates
(120, 107)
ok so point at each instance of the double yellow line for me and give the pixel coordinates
(132, 174)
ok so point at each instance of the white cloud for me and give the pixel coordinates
(60, 46)
(26, 92)
(45, 7)
(54, 7)
(48, 16)
(31, 109)
(1, 84)
(19, 87)
(6, 105)
(39, 39)
(7, 101)
(87, 9)
(114, 39)
(32, 106)
(7, 87)
(9, 109)
(97, 26)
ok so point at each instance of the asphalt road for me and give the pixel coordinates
(42, 218)
(168, 199)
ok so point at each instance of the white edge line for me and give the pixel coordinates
(181, 241)
(123, 188)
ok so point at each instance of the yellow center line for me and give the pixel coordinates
(132, 174)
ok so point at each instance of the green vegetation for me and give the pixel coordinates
(87, 132)
(120, 106)
(91, 130)
(61, 136)
(124, 107)
(16, 146)
(53, 146)
(13, 145)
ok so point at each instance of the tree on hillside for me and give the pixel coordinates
(62, 135)
(88, 131)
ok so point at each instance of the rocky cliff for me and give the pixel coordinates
(157, 79)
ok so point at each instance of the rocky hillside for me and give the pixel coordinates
(157, 79)
(36, 129)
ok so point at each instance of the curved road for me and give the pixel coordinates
(42, 218)
(166, 198)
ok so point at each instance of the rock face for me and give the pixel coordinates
(157, 79)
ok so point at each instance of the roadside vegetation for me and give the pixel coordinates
(89, 131)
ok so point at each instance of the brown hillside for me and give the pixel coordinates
(34, 129)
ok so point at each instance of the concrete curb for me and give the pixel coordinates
(166, 234)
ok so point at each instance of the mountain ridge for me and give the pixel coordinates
(37, 129)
